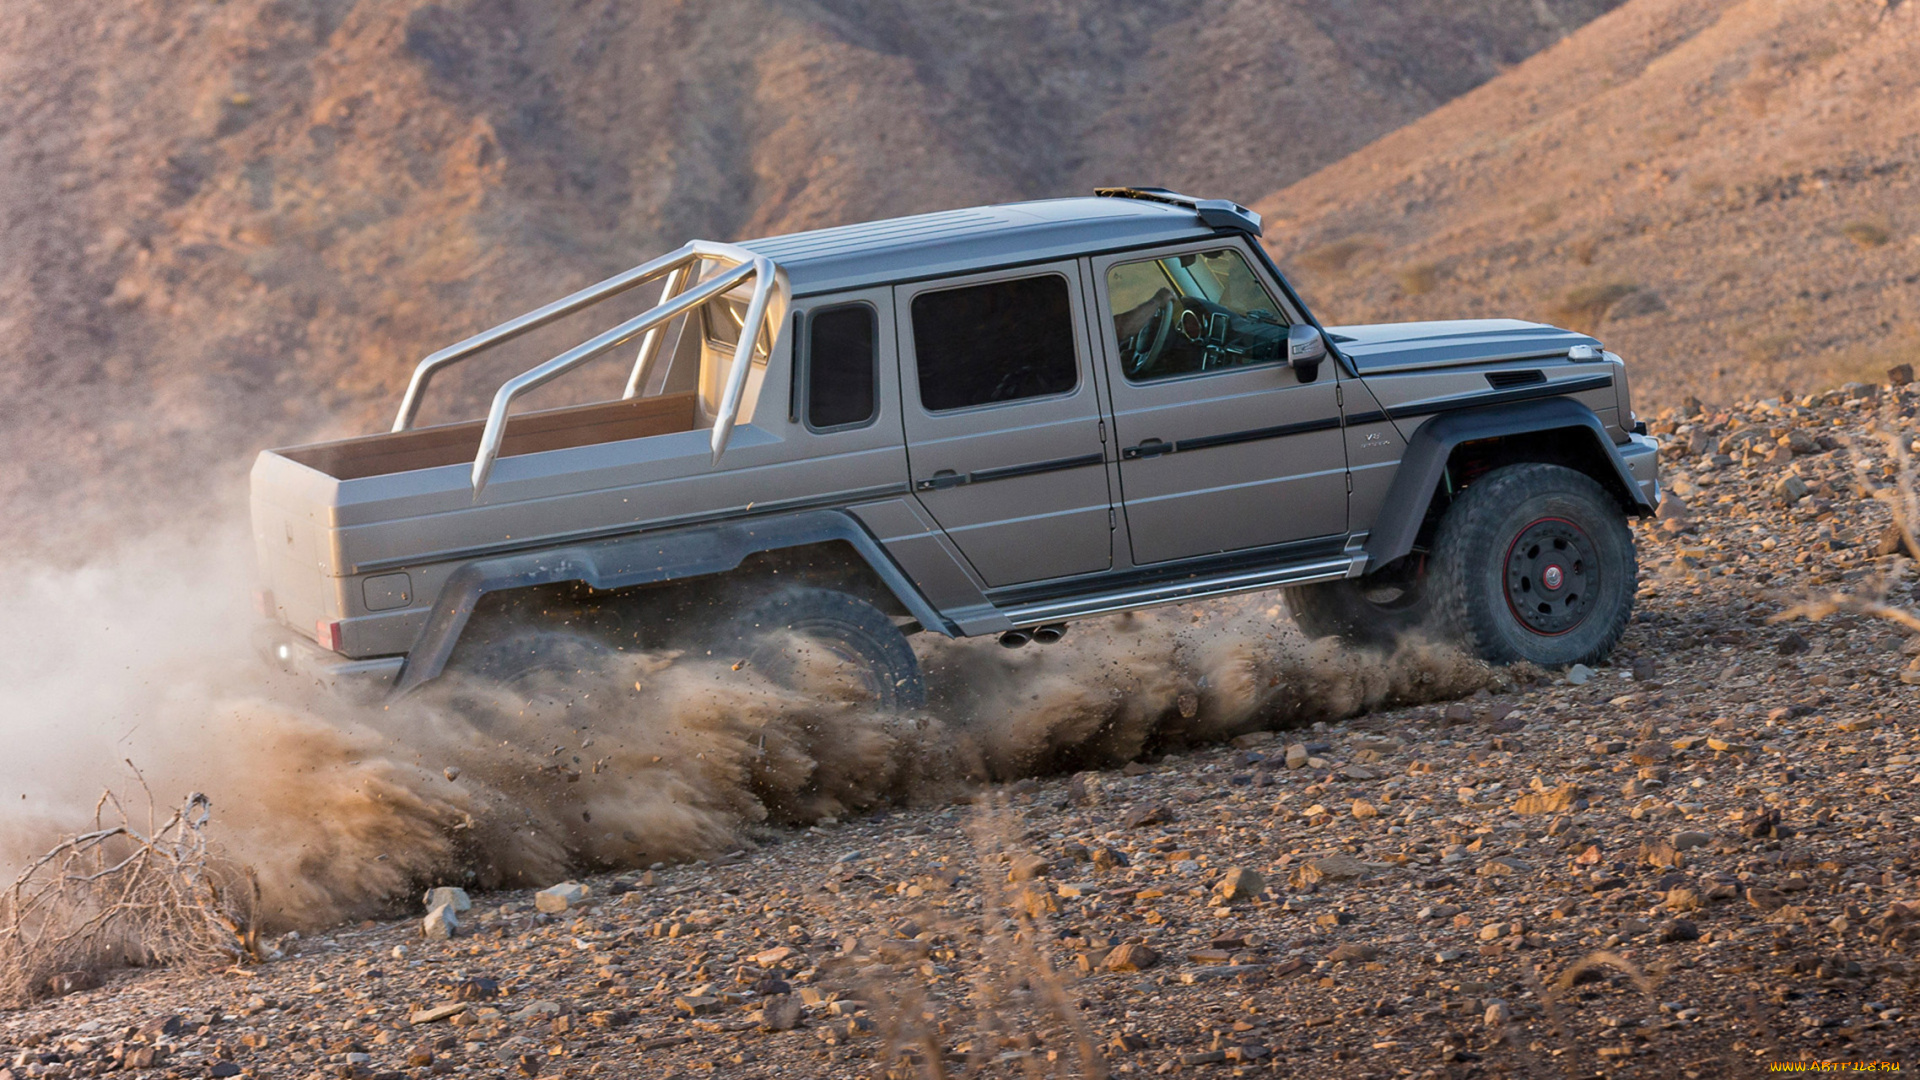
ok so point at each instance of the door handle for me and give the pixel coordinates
(1147, 448)
(941, 481)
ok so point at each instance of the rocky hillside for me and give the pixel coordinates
(226, 225)
(1724, 192)
(1691, 862)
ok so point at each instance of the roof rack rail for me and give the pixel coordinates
(735, 265)
(1214, 213)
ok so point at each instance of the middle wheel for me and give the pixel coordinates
(805, 637)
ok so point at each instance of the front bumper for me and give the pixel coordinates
(1641, 455)
(359, 680)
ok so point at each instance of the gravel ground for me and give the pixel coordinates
(1693, 861)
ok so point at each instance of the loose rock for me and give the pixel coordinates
(558, 898)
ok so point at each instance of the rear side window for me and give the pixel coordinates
(720, 323)
(842, 366)
(1001, 341)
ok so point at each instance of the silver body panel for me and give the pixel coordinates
(1014, 526)
(1228, 459)
(954, 242)
(1381, 348)
(1642, 455)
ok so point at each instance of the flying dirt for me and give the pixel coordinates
(343, 810)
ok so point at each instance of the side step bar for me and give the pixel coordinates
(1170, 592)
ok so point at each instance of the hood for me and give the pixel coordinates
(1383, 347)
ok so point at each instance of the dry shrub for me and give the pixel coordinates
(1865, 363)
(1576, 972)
(1770, 349)
(1903, 498)
(1543, 214)
(116, 896)
(1338, 256)
(1418, 279)
(1583, 307)
(1555, 992)
(1867, 234)
(1016, 1000)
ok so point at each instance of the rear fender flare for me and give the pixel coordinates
(1432, 445)
(643, 560)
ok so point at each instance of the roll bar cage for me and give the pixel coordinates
(735, 265)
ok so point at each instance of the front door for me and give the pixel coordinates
(1004, 433)
(1222, 445)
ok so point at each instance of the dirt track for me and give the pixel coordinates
(1720, 828)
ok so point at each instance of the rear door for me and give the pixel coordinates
(1222, 446)
(1005, 439)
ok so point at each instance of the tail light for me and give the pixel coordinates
(327, 633)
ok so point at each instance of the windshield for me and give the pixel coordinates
(1185, 314)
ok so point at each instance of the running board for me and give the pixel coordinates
(1172, 592)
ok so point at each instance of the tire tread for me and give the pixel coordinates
(1473, 522)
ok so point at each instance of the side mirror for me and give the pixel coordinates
(1305, 351)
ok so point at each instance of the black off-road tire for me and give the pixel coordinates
(1474, 588)
(1534, 562)
(1378, 610)
(854, 631)
(560, 666)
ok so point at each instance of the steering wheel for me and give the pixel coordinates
(1162, 328)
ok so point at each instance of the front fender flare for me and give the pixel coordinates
(643, 560)
(1425, 461)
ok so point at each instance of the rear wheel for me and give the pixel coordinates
(824, 640)
(538, 667)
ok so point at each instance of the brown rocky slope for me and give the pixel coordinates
(1724, 192)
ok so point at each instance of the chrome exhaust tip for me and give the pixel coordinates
(1013, 639)
(1047, 635)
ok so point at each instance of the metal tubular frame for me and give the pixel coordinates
(768, 304)
(650, 345)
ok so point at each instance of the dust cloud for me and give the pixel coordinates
(343, 810)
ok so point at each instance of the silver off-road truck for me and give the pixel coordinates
(985, 421)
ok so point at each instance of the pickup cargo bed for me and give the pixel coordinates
(527, 433)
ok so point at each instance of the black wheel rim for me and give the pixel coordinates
(1552, 576)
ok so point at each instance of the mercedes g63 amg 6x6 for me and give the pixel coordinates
(984, 421)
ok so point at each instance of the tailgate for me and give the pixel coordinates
(291, 506)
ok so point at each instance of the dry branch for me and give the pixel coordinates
(117, 895)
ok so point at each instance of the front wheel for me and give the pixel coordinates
(1534, 562)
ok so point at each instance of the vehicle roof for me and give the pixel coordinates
(975, 238)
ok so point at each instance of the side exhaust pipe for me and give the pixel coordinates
(1013, 639)
(1052, 632)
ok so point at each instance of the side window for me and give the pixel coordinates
(1186, 314)
(720, 324)
(842, 366)
(1000, 341)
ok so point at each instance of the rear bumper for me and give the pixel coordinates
(360, 680)
(1641, 455)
